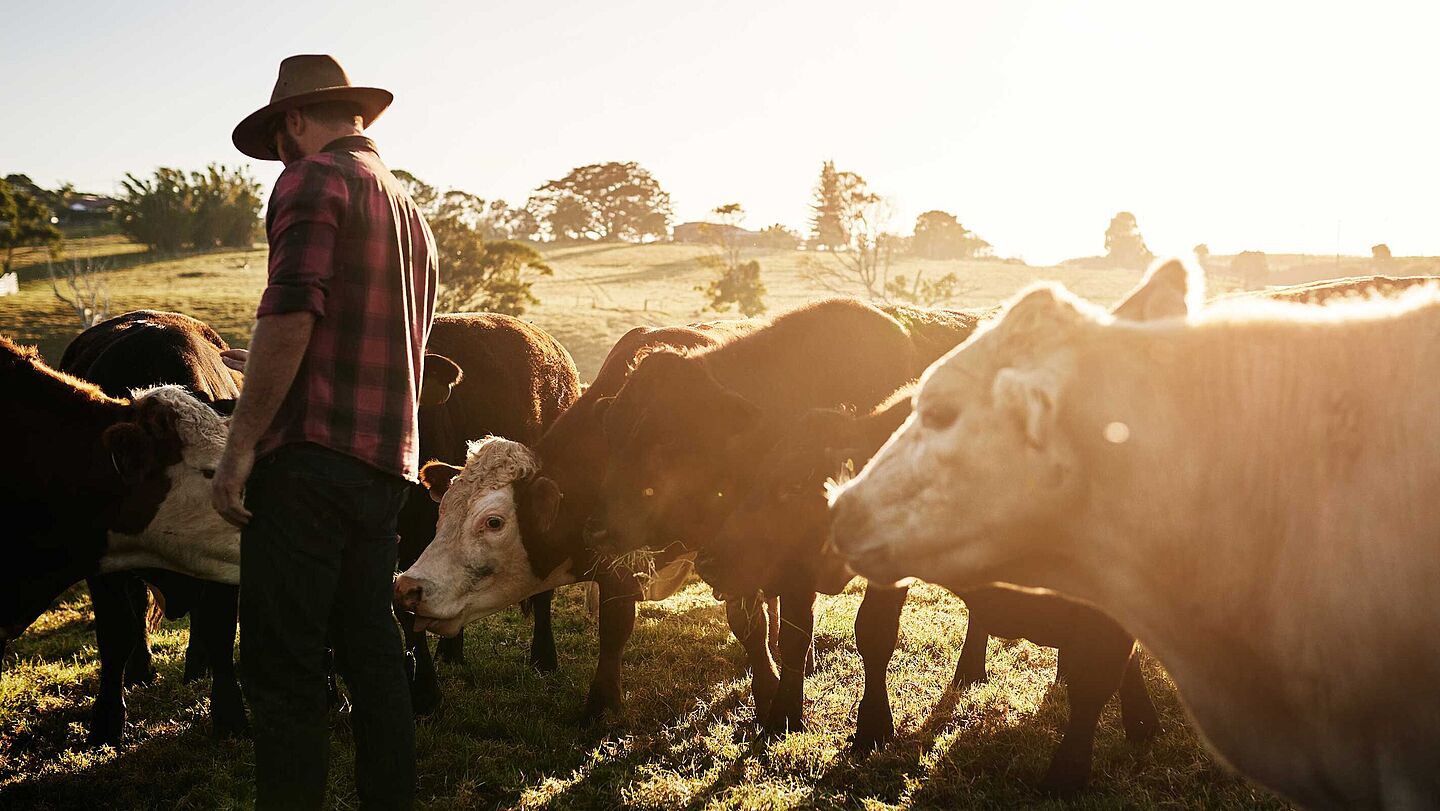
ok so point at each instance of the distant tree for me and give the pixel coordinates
(603, 201)
(156, 211)
(739, 286)
(1123, 243)
(226, 208)
(864, 259)
(24, 222)
(736, 283)
(1380, 252)
(492, 277)
(827, 210)
(1202, 253)
(779, 237)
(87, 292)
(1251, 267)
(424, 195)
(938, 235)
(925, 292)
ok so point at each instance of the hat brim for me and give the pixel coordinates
(251, 135)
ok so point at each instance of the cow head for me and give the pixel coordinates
(673, 433)
(478, 562)
(438, 379)
(781, 525)
(978, 479)
(183, 532)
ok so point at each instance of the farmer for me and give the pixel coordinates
(324, 439)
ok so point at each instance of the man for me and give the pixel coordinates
(324, 439)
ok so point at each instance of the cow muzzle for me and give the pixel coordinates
(409, 592)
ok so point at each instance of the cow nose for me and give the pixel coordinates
(850, 526)
(408, 592)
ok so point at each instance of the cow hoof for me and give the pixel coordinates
(964, 680)
(424, 699)
(598, 706)
(225, 727)
(873, 732)
(106, 729)
(1142, 733)
(143, 676)
(544, 662)
(1064, 783)
(450, 652)
(194, 671)
(783, 721)
(763, 690)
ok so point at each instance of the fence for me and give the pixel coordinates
(9, 284)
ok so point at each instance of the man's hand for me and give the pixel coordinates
(235, 358)
(227, 494)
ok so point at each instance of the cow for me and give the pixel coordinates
(775, 540)
(92, 483)
(1253, 491)
(484, 373)
(131, 351)
(685, 430)
(561, 485)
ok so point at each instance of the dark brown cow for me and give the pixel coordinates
(685, 432)
(76, 464)
(498, 375)
(132, 351)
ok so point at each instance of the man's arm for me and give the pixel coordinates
(275, 353)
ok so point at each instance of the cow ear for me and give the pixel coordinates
(436, 477)
(438, 379)
(542, 502)
(737, 414)
(1164, 293)
(131, 450)
(1031, 397)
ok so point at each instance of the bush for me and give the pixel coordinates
(170, 211)
(737, 285)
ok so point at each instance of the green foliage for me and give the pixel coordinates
(778, 237)
(24, 222)
(938, 235)
(494, 219)
(737, 285)
(827, 227)
(924, 292)
(1123, 243)
(602, 201)
(173, 210)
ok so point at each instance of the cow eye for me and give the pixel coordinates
(494, 522)
(938, 416)
(209, 474)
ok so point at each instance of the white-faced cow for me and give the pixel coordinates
(1254, 491)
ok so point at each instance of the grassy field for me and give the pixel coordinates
(508, 737)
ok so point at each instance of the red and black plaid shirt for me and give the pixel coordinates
(348, 244)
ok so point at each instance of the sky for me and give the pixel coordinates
(1285, 127)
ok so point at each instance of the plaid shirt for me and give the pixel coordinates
(349, 245)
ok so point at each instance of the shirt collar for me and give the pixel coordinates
(351, 143)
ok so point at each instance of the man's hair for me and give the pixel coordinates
(334, 113)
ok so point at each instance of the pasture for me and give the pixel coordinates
(507, 736)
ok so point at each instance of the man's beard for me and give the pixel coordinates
(289, 148)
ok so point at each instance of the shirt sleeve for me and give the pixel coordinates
(302, 224)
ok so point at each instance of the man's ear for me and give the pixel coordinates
(131, 450)
(542, 502)
(438, 379)
(1031, 396)
(436, 477)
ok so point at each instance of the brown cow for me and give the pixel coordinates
(685, 432)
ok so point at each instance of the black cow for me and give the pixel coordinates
(498, 375)
(131, 351)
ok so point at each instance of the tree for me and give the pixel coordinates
(1380, 252)
(938, 235)
(735, 283)
(925, 292)
(779, 237)
(1202, 254)
(226, 208)
(1123, 243)
(603, 201)
(492, 276)
(24, 222)
(88, 291)
(1251, 267)
(422, 193)
(827, 227)
(864, 259)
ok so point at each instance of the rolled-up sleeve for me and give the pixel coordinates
(302, 223)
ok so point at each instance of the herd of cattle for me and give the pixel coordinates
(1249, 487)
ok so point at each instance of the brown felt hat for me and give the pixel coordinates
(305, 79)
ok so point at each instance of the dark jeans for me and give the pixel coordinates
(317, 563)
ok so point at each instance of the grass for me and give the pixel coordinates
(508, 737)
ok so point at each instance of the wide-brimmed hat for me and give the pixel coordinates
(305, 79)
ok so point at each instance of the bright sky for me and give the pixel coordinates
(1306, 127)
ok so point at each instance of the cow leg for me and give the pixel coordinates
(451, 649)
(1094, 666)
(973, 652)
(1137, 711)
(618, 595)
(877, 629)
(139, 665)
(749, 625)
(797, 636)
(116, 636)
(424, 687)
(542, 644)
(213, 623)
(772, 626)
